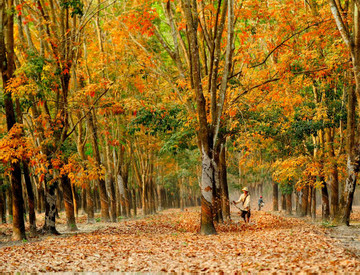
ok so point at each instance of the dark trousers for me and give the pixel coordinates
(245, 214)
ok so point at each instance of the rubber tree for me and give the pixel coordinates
(349, 29)
(7, 67)
(196, 53)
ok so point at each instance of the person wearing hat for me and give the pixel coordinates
(260, 203)
(244, 202)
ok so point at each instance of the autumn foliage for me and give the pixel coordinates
(129, 108)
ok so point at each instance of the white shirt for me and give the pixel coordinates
(245, 202)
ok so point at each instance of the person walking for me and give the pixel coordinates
(260, 203)
(244, 202)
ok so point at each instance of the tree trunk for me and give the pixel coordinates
(2, 202)
(134, 201)
(304, 195)
(325, 209)
(143, 195)
(297, 203)
(333, 178)
(83, 200)
(353, 153)
(207, 179)
(59, 200)
(160, 198)
(112, 198)
(181, 190)
(313, 207)
(7, 67)
(225, 205)
(153, 197)
(76, 199)
(110, 179)
(18, 203)
(309, 201)
(289, 204)
(124, 199)
(30, 192)
(217, 186)
(283, 202)
(69, 203)
(41, 199)
(104, 202)
(129, 200)
(90, 203)
(351, 36)
(9, 203)
(118, 198)
(275, 196)
(50, 208)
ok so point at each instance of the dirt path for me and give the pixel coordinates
(168, 242)
(349, 236)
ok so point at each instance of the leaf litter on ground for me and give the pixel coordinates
(169, 242)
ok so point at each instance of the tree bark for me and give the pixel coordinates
(2, 202)
(181, 191)
(83, 200)
(325, 209)
(69, 203)
(110, 179)
(7, 67)
(205, 144)
(313, 207)
(225, 205)
(18, 203)
(134, 201)
(9, 203)
(104, 202)
(31, 199)
(111, 185)
(217, 187)
(275, 196)
(351, 36)
(41, 199)
(207, 225)
(297, 203)
(289, 204)
(333, 178)
(123, 196)
(50, 207)
(309, 201)
(143, 195)
(353, 153)
(160, 196)
(304, 194)
(90, 204)
(283, 202)
(153, 195)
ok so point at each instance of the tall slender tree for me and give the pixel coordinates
(7, 67)
(347, 18)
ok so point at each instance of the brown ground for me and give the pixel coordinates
(168, 242)
(349, 236)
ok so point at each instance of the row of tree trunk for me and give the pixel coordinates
(306, 203)
(88, 200)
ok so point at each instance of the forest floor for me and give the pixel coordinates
(349, 236)
(169, 242)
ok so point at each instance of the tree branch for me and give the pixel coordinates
(278, 46)
(276, 79)
(284, 41)
(88, 112)
(228, 62)
(340, 25)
